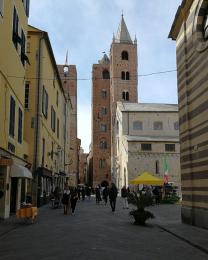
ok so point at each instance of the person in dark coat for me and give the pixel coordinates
(97, 194)
(74, 198)
(113, 192)
(105, 195)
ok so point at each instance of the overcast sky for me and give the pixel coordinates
(85, 28)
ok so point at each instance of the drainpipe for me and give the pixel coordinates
(37, 125)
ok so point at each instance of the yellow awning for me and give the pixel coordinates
(147, 179)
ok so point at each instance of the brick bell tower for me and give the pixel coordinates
(123, 85)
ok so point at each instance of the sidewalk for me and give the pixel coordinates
(168, 218)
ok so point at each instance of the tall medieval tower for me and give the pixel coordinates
(118, 77)
(68, 74)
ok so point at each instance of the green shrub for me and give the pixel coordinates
(140, 201)
(170, 199)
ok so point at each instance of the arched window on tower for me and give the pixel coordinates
(124, 55)
(66, 70)
(125, 95)
(106, 74)
(103, 144)
(123, 75)
(127, 75)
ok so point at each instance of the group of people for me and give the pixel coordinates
(68, 198)
(70, 195)
(111, 193)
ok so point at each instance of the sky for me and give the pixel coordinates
(85, 28)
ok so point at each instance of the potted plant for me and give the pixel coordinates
(140, 201)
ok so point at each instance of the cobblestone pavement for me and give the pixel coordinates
(94, 232)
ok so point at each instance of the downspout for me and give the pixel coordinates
(37, 128)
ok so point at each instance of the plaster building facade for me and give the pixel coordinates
(190, 31)
(14, 174)
(113, 79)
(147, 137)
(68, 74)
(47, 112)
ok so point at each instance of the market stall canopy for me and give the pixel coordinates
(147, 179)
(20, 171)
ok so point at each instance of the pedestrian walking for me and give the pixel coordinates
(74, 198)
(88, 192)
(124, 195)
(83, 193)
(97, 194)
(113, 192)
(105, 195)
(65, 199)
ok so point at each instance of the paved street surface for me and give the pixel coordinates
(94, 232)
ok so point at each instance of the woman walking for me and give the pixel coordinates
(74, 198)
(113, 192)
(65, 199)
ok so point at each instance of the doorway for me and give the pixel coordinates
(13, 195)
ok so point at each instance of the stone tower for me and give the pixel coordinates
(68, 74)
(101, 125)
(123, 67)
(123, 86)
(118, 77)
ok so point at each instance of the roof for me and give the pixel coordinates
(135, 138)
(33, 29)
(180, 16)
(123, 35)
(104, 60)
(147, 107)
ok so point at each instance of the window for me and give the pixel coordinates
(106, 74)
(57, 98)
(158, 125)
(26, 4)
(176, 125)
(102, 163)
(23, 56)
(125, 95)
(137, 125)
(157, 167)
(57, 127)
(146, 147)
(52, 150)
(12, 117)
(20, 126)
(53, 119)
(15, 36)
(104, 111)
(103, 128)
(170, 147)
(66, 71)
(43, 152)
(125, 75)
(45, 103)
(104, 94)
(27, 91)
(103, 144)
(124, 55)
(2, 7)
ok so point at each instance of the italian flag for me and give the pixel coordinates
(166, 170)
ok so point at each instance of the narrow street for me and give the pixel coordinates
(94, 232)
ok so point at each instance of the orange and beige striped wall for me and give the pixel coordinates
(192, 60)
